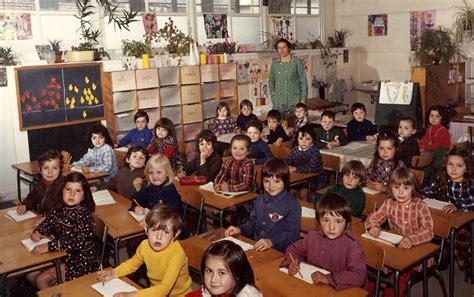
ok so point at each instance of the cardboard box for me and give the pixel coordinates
(190, 94)
(148, 98)
(192, 113)
(123, 80)
(190, 75)
(170, 96)
(124, 122)
(124, 101)
(173, 113)
(154, 114)
(210, 91)
(228, 88)
(209, 109)
(179, 133)
(234, 109)
(191, 131)
(147, 78)
(228, 71)
(168, 76)
(209, 73)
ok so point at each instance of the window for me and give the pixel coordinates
(58, 5)
(306, 6)
(17, 5)
(226, 6)
(301, 7)
(164, 6)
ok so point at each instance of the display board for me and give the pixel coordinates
(58, 95)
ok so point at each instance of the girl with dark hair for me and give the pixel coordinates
(165, 142)
(224, 122)
(225, 271)
(437, 133)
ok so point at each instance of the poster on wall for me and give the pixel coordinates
(253, 70)
(284, 27)
(396, 93)
(259, 93)
(149, 22)
(378, 24)
(15, 26)
(215, 26)
(419, 21)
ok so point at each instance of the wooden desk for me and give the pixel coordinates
(26, 171)
(362, 151)
(195, 247)
(272, 282)
(122, 225)
(9, 226)
(402, 259)
(79, 287)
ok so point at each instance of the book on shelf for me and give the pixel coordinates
(12, 214)
(306, 271)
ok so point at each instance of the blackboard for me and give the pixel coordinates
(59, 95)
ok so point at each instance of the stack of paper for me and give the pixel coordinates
(306, 270)
(114, 286)
(210, 187)
(370, 191)
(102, 198)
(308, 212)
(30, 244)
(245, 246)
(433, 203)
(385, 237)
(138, 217)
(18, 218)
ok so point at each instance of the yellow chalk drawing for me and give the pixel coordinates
(76, 89)
(94, 86)
(70, 87)
(86, 79)
(67, 101)
(84, 114)
(82, 100)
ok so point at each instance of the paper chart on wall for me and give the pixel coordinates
(283, 26)
(396, 93)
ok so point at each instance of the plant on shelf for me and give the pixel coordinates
(226, 47)
(178, 42)
(134, 48)
(7, 57)
(463, 24)
(269, 41)
(339, 38)
(437, 46)
(56, 46)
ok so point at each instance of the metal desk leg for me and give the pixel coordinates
(425, 278)
(451, 262)
(2, 284)
(57, 266)
(116, 251)
(221, 218)
(472, 253)
(396, 283)
(18, 185)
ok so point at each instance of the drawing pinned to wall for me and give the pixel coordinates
(259, 93)
(306, 63)
(396, 93)
(283, 26)
(215, 26)
(243, 72)
(378, 24)
(253, 70)
(15, 26)
(3, 77)
(419, 21)
(149, 22)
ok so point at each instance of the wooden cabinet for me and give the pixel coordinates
(440, 84)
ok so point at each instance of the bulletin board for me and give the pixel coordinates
(59, 95)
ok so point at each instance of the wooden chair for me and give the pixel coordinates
(375, 259)
(331, 163)
(441, 228)
(460, 145)
(422, 161)
(193, 201)
(419, 176)
(120, 157)
(281, 151)
(101, 230)
(471, 138)
(258, 177)
(372, 203)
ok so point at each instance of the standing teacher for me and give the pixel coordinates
(287, 81)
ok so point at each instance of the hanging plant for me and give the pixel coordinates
(463, 24)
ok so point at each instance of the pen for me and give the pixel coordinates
(136, 202)
(294, 262)
(101, 270)
(69, 160)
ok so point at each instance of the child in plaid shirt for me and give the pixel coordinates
(407, 214)
(384, 162)
(305, 158)
(455, 185)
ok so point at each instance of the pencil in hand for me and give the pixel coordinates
(102, 271)
(294, 262)
(136, 202)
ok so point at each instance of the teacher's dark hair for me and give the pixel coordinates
(288, 43)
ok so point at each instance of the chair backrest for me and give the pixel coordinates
(374, 254)
(460, 145)
(281, 151)
(422, 161)
(372, 203)
(331, 162)
(101, 230)
(120, 157)
(193, 198)
(441, 225)
(419, 176)
(258, 176)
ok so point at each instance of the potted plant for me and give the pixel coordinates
(178, 42)
(437, 46)
(134, 48)
(7, 57)
(463, 24)
(339, 38)
(56, 46)
(226, 47)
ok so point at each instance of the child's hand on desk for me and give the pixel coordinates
(319, 278)
(232, 231)
(40, 249)
(405, 243)
(333, 144)
(126, 294)
(35, 236)
(138, 183)
(292, 168)
(86, 169)
(450, 208)
(293, 268)
(105, 275)
(139, 210)
(225, 187)
(376, 186)
(21, 209)
(263, 244)
(93, 189)
(374, 231)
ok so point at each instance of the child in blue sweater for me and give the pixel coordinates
(359, 128)
(259, 149)
(139, 136)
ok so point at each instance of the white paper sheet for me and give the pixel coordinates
(30, 244)
(245, 246)
(18, 218)
(115, 285)
(308, 212)
(306, 270)
(102, 197)
(385, 237)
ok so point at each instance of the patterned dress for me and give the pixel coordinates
(74, 231)
(168, 147)
(309, 161)
(227, 125)
(380, 170)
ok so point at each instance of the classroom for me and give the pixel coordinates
(285, 133)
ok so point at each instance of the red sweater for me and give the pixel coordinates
(435, 137)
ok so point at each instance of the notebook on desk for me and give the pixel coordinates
(138, 217)
(210, 187)
(306, 270)
(245, 246)
(385, 237)
(12, 214)
(30, 244)
(102, 197)
(433, 203)
(114, 286)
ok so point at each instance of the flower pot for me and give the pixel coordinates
(58, 57)
(425, 60)
(80, 56)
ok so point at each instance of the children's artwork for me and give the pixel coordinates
(259, 93)
(419, 21)
(396, 93)
(215, 26)
(254, 70)
(58, 95)
(129, 63)
(283, 26)
(378, 24)
(15, 26)
(306, 63)
(149, 22)
(3, 77)
(44, 51)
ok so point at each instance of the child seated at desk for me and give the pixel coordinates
(407, 215)
(259, 149)
(353, 176)
(277, 133)
(141, 135)
(163, 255)
(305, 158)
(437, 133)
(328, 136)
(129, 178)
(223, 123)
(276, 215)
(100, 156)
(46, 194)
(386, 159)
(455, 185)
(333, 248)
(407, 143)
(299, 118)
(73, 229)
(225, 271)
(359, 128)
(165, 142)
(246, 115)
